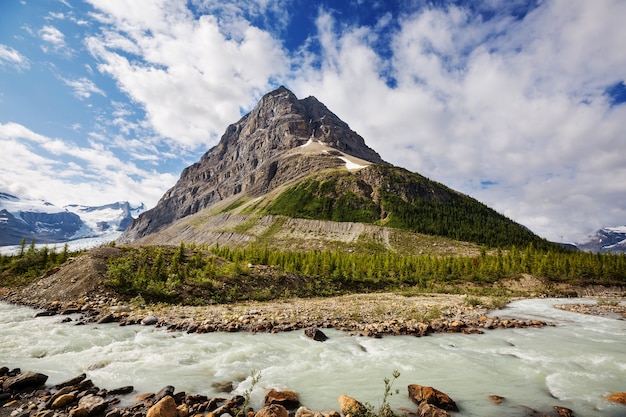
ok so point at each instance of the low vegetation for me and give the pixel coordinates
(29, 263)
(200, 275)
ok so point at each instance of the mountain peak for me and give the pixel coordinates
(265, 149)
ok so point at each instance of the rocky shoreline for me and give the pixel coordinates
(373, 315)
(25, 394)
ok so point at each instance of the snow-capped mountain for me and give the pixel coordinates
(47, 223)
(608, 239)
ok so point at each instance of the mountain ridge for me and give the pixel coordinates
(46, 223)
(295, 158)
(256, 154)
(606, 240)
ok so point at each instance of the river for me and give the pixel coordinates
(572, 364)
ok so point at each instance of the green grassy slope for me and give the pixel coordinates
(395, 197)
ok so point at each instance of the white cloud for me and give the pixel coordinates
(53, 36)
(11, 57)
(83, 88)
(34, 164)
(191, 79)
(516, 104)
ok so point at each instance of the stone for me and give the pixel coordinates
(430, 395)
(315, 334)
(72, 381)
(122, 390)
(350, 406)
(63, 401)
(62, 391)
(44, 413)
(24, 381)
(183, 410)
(274, 410)
(430, 410)
(166, 407)
(496, 399)
(109, 318)
(288, 399)
(164, 392)
(79, 412)
(617, 397)
(149, 321)
(92, 404)
(562, 411)
(306, 412)
(222, 386)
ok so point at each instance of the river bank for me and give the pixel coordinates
(531, 369)
(373, 315)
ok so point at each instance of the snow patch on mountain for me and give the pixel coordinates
(46, 223)
(608, 239)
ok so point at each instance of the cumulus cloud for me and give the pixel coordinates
(35, 164)
(9, 57)
(510, 111)
(504, 100)
(192, 78)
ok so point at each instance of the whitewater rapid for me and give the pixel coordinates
(572, 364)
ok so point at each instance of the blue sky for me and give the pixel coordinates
(520, 104)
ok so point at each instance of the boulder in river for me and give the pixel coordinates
(419, 394)
(315, 334)
(617, 397)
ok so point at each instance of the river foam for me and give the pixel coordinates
(573, 364)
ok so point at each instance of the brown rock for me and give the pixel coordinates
(166, 407)
(183, 410)
(563, 412)
(315, 334)
(617, 397)
(24, 381)
(350, 406)
(92, 404)
(305, 412)
(496, 399)
(288, 399)
(420, 393)
(63, 401)
(274, 410)
(430, 410)
(79, 412)
(72, 381)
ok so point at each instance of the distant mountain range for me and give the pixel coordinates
(47, 223)
(608, 239)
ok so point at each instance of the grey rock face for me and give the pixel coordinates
(253, 157)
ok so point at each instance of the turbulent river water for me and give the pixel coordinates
(572, 364)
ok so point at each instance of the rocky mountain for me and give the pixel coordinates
(47, 223)
(257, 154)
(294, 158)
(608, 239)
